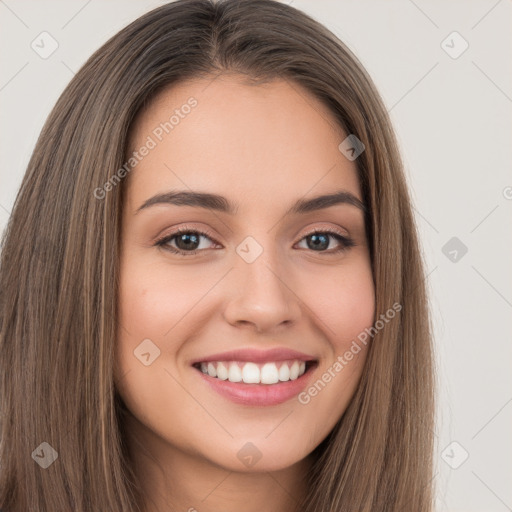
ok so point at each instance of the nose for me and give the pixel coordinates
(263, 297)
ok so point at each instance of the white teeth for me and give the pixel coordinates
(234, 374)
(252, 373)
(212, 372)
(294, 370)
(222, 372)
(284, 373)
(269, 374)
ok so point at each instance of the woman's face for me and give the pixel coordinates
(260, 297)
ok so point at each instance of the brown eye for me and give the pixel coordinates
(187, 241)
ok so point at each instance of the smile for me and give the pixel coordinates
(253, 373)
(254, 378)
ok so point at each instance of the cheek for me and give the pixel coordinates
(149, 306)
(153, 300)
(154, 304)
(162, 305)
(345, 302)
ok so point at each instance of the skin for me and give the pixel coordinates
(263, 147)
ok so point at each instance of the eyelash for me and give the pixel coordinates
(345, 242)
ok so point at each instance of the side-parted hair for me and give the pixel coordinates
(59, 270)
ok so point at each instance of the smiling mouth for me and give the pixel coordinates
(246, 372)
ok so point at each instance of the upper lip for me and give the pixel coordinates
(256, 356)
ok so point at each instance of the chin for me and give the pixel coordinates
(257, 456)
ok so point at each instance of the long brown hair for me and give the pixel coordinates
(59, 270)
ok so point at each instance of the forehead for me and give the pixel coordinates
(250, 142)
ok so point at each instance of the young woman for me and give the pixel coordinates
(212, 289)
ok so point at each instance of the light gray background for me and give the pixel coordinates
(452, 117)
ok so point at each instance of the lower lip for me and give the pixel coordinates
(258, 394)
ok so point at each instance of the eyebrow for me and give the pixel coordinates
(222, 204)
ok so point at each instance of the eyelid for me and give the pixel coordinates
(324, 229)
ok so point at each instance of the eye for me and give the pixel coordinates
(319, 241)
(188, 241)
